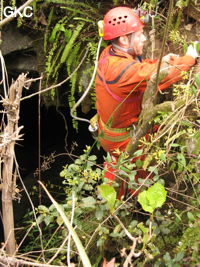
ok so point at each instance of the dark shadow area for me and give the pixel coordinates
(57, 138)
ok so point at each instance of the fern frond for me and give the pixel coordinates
(48, 63)
(47, 29)
(73, 58)
(74, 4)
(69, 45)
(83, 19)
(56, 61)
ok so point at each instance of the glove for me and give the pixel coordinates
(168, 56)
(193, 49)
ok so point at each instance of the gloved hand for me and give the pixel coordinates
(192, 50)
(168, 56)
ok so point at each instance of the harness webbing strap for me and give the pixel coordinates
(102, 78)
(114, 130)
(118, 138)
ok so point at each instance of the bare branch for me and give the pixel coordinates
(12, 260)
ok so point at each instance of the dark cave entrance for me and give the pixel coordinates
(55, 127)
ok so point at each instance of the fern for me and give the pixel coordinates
(48, 65)
(69, 45)
(56, 61)
(72, 57)
(47, 29)
(78, 5)
(66, 42)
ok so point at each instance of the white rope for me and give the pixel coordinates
(88, 88)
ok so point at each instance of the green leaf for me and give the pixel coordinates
(139, 163)
(147, 161)
(181, 159)
(92, 158)
(89, 202)
(179, 256)
(48, 219)
(175, 136)
(43, 209)
(198, 47)
(99, 214)
(138, 153)
(57, 28)
(59, 220)
(197, 79)
(191, 216)
(143, 200)
(152, 198)
(108, 193)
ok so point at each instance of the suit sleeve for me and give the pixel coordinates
(140, 73)
(176, 66)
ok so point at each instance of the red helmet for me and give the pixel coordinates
(121, 21)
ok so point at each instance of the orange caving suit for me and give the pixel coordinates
(120, 83)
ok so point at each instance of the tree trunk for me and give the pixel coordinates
(8, 139)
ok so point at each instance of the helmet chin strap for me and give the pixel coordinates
(130, 50)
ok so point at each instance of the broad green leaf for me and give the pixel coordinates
(48, 219)
(139, 163)
(179, 256)
(181, 159)
(190, 216)
(43, 209)
(89, 202)
(99, 214)
(59, 220)
(153, 169)
(108, 193)
(143, 200)
(152, 198)
(92, 158)
(138, 153)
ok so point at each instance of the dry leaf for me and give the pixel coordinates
(188, 27)
(109, 264)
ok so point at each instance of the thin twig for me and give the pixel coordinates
(33, 208)
(164, 41)
(60, 248)
(125, 230)
(69, 236)
(12, 260)
(80, 248)
(39, 144)
(24, 237)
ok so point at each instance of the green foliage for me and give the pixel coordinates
(152, 198)
(70, 31)
(109, 194)
(171, 236)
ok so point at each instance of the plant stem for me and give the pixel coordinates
(81, 250)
